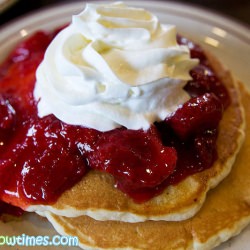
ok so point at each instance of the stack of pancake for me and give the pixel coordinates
(184, 216)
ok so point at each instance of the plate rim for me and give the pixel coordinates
(239, 28)
(235, 27)
(5, 5)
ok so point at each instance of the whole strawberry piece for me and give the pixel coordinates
(204, 80)
(197, 114)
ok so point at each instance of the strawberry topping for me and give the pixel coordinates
(42, 157)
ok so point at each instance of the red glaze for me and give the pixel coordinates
(204, 78)
(137, 159)
(42, 157)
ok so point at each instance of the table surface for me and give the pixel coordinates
(238, 10)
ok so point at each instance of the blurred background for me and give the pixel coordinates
(238, 10)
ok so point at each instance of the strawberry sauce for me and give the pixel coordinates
(42, 157)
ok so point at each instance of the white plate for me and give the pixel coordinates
(229, 40)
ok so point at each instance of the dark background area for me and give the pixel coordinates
(238, 10)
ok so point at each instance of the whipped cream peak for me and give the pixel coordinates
(113, 66)
(108, 22)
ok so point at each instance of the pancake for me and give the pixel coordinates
(96, 196)
(225, 213)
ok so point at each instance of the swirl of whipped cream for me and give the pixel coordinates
(113, 66)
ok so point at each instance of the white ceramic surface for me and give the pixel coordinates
(227, 39)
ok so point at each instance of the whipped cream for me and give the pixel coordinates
(113, 66)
